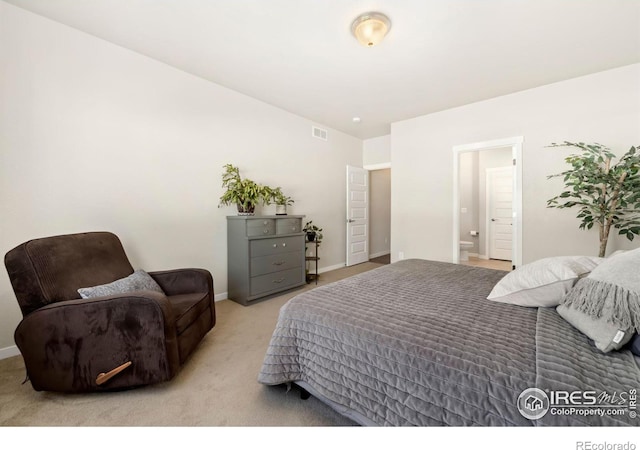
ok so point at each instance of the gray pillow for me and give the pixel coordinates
(605, 305)
(611, 291)
(137, 281)
(605, 335)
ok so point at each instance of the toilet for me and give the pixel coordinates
(464, 250)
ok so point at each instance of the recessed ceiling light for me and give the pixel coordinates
(370, 28)
(356, 120)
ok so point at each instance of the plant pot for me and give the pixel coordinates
(281, 210)
(249, 211)
(311, 236)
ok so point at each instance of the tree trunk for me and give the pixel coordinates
(604, 236)
(606, 227)
(603, 247)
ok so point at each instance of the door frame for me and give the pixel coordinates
(515, 142)
(487, 207)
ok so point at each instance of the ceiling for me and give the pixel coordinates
(299, 55)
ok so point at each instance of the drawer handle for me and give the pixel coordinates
(293, 228)
(264, 223)
(265, 231)
(278, 281)
(275, 245)
(284, 244)
(278, 263)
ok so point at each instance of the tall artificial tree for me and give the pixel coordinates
(606, 193)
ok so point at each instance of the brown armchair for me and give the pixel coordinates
(70, 344)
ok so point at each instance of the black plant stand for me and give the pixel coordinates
(314, 259)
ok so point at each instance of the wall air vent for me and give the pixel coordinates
(319, 133)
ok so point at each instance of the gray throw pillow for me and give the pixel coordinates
(605, 335)
(137, 281)
(611, 291)
(605, 305)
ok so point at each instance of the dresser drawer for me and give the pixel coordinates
(261, 227)
(261, 265)
(276, 281)
(288, 226)
(276, 246)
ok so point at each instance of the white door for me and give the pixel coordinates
(500, 212)
(357, 215)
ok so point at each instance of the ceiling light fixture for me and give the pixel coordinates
(370, 28)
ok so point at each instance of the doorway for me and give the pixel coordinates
(487, 212)
(368, 214)
(499, 216)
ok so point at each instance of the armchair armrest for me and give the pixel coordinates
(66, 345)
(184, 281)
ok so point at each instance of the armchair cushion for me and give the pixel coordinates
(137, 281)
(188, 307)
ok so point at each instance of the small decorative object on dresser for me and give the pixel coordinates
(242, 192)
(281, 201)
(265, 256)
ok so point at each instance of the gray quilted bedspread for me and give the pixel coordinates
(417, 343)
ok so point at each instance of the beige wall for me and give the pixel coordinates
(380, 212)
(603, 107)
(96, 137)
(376, 152)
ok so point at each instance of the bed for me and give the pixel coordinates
(417, 343)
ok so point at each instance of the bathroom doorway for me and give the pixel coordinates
(487, 209)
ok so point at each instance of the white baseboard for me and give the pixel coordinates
(475, 255)
(483, 257)
(330, 268)
(379, 254)
(8, 352)
(223, 296)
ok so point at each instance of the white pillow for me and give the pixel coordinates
(543, 283)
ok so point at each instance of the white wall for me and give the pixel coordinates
(96, 137)
(603, 107)
(376, 152)
(380, 212)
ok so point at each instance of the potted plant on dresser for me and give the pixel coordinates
(281, 201)
(243, 192)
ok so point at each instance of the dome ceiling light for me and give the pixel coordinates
(370, 28)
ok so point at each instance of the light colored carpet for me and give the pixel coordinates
(216, 387)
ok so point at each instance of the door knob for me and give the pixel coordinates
(350, 220)
(493, 220)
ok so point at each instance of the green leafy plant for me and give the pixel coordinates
(279, 198)
(313, 232)
(243, 192)
(606, 193)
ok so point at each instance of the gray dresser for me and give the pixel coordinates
(265, 255)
